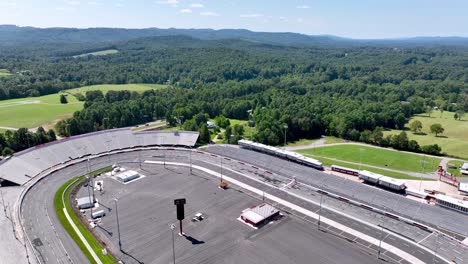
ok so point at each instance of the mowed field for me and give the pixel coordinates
(379, 157)
(116, 87)
(454, 140)
(97, 53)
(47, 110)
(36, 111)
(4, 73)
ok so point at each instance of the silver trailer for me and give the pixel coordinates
(98, 214)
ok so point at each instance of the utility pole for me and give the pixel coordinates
(320, 209)
(190, 161)
(118, 224)
(172, 227)
(285, 128)
(221, 159)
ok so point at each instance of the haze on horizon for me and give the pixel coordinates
(354, 19)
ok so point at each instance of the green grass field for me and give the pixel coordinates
(97, 53)
(454, 141)
(36, 111)
(456, 171)
(303, 142)
(59, 205)
(329, 162)
(4, 73)
(375, 156)
(116, 87)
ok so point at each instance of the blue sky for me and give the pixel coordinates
(347, 18)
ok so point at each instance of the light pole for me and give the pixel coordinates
(285, 128)
(172, 226)
(250, 122)
(118, 224)
(320, 208)
(139, 151)
(190, 150)
(360, 157)
(423, 165)
(221, 159)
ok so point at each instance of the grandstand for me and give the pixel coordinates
(27, 164)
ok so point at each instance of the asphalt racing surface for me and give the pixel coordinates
(55, 246)
(146, 208)
(431, 215)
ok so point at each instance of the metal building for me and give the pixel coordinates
(260, 214)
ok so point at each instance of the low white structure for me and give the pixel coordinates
(98, 214)
(452, 203)
(85, 202)
(127, 176)
(464, 168)
(463, 188)
(259, 214)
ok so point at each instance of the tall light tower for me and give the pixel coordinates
(285, 129)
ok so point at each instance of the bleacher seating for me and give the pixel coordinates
(33, 161)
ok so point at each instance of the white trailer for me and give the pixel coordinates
(392, 183)
(369, 176)
(98, 214)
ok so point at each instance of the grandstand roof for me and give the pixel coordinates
(24, 165)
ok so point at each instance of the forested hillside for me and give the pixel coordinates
(341, 91)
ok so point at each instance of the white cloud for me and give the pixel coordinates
(186, 11)
(75, 3)
(303, 7)
(119, 5)
(251, 15)
(94, 3)
(196, 5)
(8, 4)
(172, 3)
(209, 14)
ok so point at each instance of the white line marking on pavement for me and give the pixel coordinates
(420, 241)
(410, 258)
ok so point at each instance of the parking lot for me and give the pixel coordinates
(145, 209)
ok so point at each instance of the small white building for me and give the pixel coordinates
(259, 214)
(464, 168)
(127, 176)
(463, 188)
(85, 202)
(210, 124)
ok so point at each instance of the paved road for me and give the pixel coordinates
(432, 215)
(41, 224)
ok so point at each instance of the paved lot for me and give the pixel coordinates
(38, 210)
(145, 208)
(432, 215)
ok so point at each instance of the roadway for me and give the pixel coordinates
(55, 246)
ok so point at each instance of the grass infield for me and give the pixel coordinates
(383, 158)
(64, 191)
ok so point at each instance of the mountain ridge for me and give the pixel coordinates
(15, 35)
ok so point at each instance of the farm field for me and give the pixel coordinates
(36, 111)
(116, 87)
(454, 140)
(375, 156)
(4, 73)
(97, 53)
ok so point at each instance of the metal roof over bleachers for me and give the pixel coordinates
(24, 165)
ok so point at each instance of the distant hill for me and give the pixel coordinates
(13, 35)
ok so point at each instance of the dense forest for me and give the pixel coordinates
(351, 92)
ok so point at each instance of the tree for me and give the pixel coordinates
(63, 99)
(437, 129)
(429, 110)
(460, 114)
(7, 151)
(415, 126)
(204, 134)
